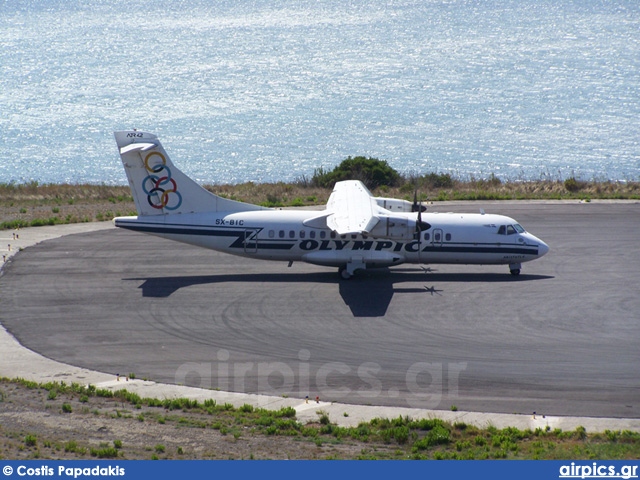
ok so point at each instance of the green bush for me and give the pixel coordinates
(572, 185)
(480, 440)
(401, 434)
(370, 171)
(437, 180)
(107, 452)
(324, 419)
(288, 412)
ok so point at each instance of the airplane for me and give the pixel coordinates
(356, 231)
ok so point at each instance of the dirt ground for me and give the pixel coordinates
(34, 426)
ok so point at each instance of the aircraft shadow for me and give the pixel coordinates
(367, 295)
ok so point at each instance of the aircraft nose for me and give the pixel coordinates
(543, 248)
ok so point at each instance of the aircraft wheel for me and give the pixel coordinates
(515, 272)
(344, 273)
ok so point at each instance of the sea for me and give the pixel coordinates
(271, 90)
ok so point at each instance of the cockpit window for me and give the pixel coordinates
(502, 230)
(510, 230)
(518, 228)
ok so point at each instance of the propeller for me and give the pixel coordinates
(417, 207)
(420, 225)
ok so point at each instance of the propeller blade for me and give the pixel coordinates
(417, 207)
(420, 225)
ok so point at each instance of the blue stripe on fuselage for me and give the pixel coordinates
(243, 242)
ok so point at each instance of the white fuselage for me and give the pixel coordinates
(281, 235)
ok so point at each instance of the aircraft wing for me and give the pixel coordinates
(353, 210)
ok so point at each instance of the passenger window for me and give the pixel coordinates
(510, 230)
(272, 234)
(333, 234)
(436, 237)
(427, 236)
(323, 234)
(292, 234)
(302, 234)
(312, 234)
(281, 234)
(502, 230)
(447, 237)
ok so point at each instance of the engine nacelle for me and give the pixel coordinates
(394, 228)
(394, 204)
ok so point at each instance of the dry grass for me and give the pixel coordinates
(34, 204)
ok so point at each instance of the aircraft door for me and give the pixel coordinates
(250, 241)
(436, 237)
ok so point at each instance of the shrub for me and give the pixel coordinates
(480, 440)
(401, 434)
(370, 171)
(437, 180)
(324, 419)
(288, 412)
(108, 452)
(71, 446)
(30, 441)
(572, 185)
(438, 436)
(426, 423)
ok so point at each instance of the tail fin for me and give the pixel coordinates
(158, 187)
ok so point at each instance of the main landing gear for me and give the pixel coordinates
(342, 271)
(347, 271)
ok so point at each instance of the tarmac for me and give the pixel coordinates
(606, 231)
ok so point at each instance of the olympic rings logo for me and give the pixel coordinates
(160, 187)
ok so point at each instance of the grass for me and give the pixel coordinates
(32, 204)
(402, 437)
